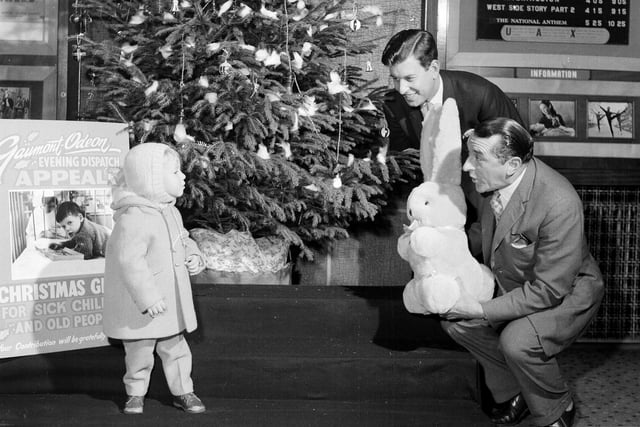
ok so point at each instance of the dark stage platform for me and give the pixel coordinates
(270, 356)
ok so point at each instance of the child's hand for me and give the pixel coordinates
(194, 264)
(157, 309)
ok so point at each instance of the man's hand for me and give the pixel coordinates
(465, 308)
(157, 309)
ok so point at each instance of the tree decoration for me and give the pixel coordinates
(166, 51)
(297, 61)
(180, 134)
(306, 48)
(286, 148)
(213, 47)
(275, 126)
(225, 67)
(375, 11)
(369, 66)
(203, 81)
(355, 23)
(139, 17)
(337, 182)
(168, 18)
(335, 85)
(153, 88)
(367, 105)
(381, 157)
(244, 11)
(263, 153)
(190, 42)
(270, 14)
(225, 7)
(81, 19)
(273, 59)
(211, 98)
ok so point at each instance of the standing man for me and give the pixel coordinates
(549, 287)
(7, 105)
(19, 107)
(412, 58)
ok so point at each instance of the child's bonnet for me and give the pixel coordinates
(144, 171)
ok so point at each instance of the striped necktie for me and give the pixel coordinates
(496, 205)
(425, 107)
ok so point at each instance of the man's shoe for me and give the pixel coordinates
(134, 405)
(512, 413)
(189, 403)
(566, 420)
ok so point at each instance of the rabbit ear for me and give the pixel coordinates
(440, 144)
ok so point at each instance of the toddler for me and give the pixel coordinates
(147, 298)
(87, 237)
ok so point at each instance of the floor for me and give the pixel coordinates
(605, 380)
(606, 384)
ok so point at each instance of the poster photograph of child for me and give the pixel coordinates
(610, 119)
(59, 232)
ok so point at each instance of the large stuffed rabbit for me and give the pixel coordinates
(435, 244)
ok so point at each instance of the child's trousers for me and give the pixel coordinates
(176, 363)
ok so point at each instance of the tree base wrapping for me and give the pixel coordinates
(237, 258)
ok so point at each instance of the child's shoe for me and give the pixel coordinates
(189, 402)
(134, 405)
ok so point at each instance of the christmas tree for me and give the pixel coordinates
(280, 131)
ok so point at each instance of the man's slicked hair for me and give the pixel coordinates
(406, 43)
(515, 142)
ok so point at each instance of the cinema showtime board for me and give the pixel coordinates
(50, 300)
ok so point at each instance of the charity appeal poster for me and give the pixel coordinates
(51, 297)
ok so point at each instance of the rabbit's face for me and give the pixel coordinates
(437, 205)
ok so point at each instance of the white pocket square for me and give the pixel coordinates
(520, 241)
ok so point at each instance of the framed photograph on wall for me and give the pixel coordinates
(28, 92)
(610, 119)
(552, 118)
(15, 101)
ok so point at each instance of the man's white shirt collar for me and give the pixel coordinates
(437, 98)
(507, 192)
